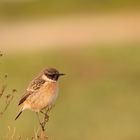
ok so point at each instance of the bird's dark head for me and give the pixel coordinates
(52, 73)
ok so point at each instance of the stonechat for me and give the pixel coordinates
(41, 92)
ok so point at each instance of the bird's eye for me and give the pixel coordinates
(50, 75)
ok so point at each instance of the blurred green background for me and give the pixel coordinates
(25, 8)
(99, 96)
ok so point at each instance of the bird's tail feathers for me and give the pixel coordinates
(19, 114)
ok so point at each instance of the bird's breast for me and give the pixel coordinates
(50, 89)
(50, 92)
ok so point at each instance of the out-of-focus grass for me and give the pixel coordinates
(98, 98)
(60, 7)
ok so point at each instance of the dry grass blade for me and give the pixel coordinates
(11, 134)
(40, 135)
(9, 98)
(43, 136)
(2, 90)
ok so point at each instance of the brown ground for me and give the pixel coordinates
(70, 31)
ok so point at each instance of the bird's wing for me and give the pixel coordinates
(24, 97)
(33, 87)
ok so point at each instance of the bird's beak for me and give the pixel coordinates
(61, 74)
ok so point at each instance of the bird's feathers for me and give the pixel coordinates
(32, 88)
(18, 114)
(35, 84)
(24, 97)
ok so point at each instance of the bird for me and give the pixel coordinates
(41, 92)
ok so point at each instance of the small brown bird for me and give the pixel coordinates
(41, 92)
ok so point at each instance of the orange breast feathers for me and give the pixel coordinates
(49, 88)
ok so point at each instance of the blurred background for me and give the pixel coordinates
(96, 43)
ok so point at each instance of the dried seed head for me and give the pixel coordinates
(5, 76)
(14, 90)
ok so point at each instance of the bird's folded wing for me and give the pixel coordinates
(33, 87)
(24, 97)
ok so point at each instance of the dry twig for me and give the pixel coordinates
(8, 97)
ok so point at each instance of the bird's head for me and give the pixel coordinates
(52, 74)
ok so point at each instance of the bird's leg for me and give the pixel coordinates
(45, 119)
(46, 116)
(38, 117)
(50, 108)
(41, 124)
(42, 112)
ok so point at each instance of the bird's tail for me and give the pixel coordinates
(19, 114)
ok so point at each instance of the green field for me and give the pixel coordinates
(99, 98)
(37, 8)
